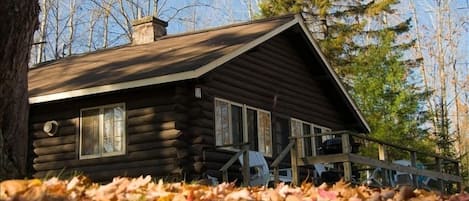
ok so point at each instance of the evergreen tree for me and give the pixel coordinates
(391, 103)
(368, 61)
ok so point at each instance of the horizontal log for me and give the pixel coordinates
(53, 141)
(153, 120)
(218, 157)
(55, 149)
(134, 164)
(135, 138)
(247, 89)
(108, 174)
(157, 117)
(232, 93)
(273, 74)
(161, 153)
(236, 167)
(232, 176)
(200, 113)
(206, 105)
(203, 139)
(299, 90)
(182, 98)
(143, 128)
(156, 144)
(198, 148)
(144, 119)
(155, 109)
(199, 167)
(62, 131)
(64, 123)
(55, 157)
(50, 112)
(204, 123)
(198, 131)
(297, 71)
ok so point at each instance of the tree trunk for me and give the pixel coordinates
(17, 24)
(71, 26)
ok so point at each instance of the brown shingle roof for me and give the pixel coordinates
(168, 55)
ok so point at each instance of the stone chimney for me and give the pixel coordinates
(147, 30)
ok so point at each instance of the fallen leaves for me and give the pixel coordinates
(81, 188)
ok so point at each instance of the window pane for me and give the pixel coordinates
(113, 127)
(307, 140)
(318, 140)
(252, 129)
(282, 132)
(222, 132)
(90, 132)
(296, 130)
(265, 136)
(119, 127)
(237, 124)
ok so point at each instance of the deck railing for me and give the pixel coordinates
(445, 169)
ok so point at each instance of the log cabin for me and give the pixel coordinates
(176, 105)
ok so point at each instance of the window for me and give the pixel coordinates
(305, 145)
(102, 131)
(237, 123)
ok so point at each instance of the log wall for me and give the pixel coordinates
(156, 120)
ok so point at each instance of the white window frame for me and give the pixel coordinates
(101, 132)
(301, 149)
(245, 123)
(270, 129)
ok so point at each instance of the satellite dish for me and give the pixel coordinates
(51, 127)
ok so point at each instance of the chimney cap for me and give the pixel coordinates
(148, 19)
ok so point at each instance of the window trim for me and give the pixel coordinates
(244, 108)
(101, 132)
(270, 130)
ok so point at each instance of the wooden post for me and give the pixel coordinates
(382, 155)
(276, 177)
(439, 169)
(458, 173)
(246, 174)
(225, 176)
(382, 152)
(313, 143)
(413, 161)
(346, 149)
(294, 163)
